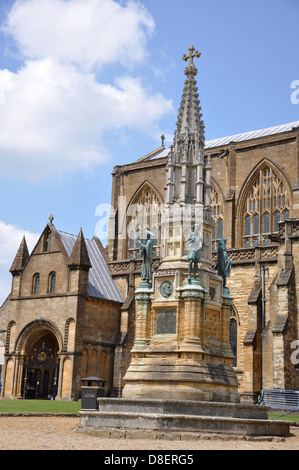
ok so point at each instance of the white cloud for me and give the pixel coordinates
(86, 32)
(10, 239)
(56, 113)
(54, 118)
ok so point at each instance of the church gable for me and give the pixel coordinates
(46, 270)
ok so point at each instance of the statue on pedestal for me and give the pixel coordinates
(224, 264)
(196, 246)
(147, 254)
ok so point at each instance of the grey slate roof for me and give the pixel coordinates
(236, 138)
(251, 134)
(100, 282)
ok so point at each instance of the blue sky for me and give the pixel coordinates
(89, 84)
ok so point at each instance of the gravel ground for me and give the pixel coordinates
(63, 433)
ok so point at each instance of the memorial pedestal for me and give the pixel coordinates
(181, 349)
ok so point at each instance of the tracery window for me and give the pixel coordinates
(267, 204)
(144, 214)
(217, 214)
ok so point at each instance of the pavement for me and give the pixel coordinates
(65, 433)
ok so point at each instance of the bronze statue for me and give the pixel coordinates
(196, 246)
(224, 264)
(147, 253)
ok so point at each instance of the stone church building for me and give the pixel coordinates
(255, 206)
(71, 310)
(62, 317)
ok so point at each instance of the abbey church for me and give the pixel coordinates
(71, 310)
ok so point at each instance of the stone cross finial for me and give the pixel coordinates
(193, 53)
(191, 69)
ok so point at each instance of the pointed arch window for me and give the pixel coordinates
(266, 205)
(217, 214)
(52, 283)
(36, 283)
(144, 214)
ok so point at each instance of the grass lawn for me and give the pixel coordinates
(71, 407)
(39, 406)
(282, 416)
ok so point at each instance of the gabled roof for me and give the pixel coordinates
(161, 153)
(100, 281)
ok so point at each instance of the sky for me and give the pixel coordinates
(86, 85)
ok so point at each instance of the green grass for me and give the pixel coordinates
(72, 407)
(283, 416)
(39, 406)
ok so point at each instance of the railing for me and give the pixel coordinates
(280, 399)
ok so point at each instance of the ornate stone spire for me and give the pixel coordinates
(189, 118)
(187, 198)
(186, 160)
(21, 257)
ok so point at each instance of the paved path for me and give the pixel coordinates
(63, 433)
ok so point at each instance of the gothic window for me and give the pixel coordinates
(266, 220)
(266, 205)
(217, 214)
(144, 214)
(52, 283)
(36, 283)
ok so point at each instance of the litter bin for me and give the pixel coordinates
(91, 389)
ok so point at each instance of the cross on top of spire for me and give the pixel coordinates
(191, 69)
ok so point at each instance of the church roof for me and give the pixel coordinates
(161, 153)
(100, 281)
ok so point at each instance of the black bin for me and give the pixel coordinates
(91, 389)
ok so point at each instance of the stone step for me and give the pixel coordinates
(175, 423)
(185, 407)
(171, 416)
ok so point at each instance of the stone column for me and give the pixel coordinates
(18, 376)
(193, 297)
(227, 302)
(199, 183)
(143, 317)
(207, 196)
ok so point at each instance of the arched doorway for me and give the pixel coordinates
(41, 363)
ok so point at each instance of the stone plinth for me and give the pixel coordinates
(172, 419)
(181, 349)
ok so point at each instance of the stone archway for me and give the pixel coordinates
(40, 367)
(38, 351)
